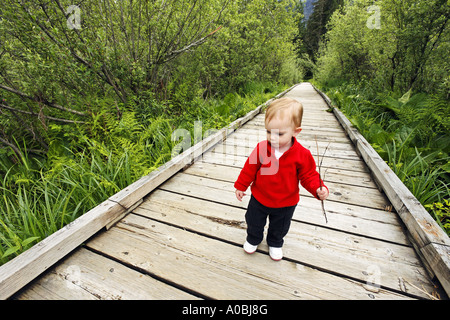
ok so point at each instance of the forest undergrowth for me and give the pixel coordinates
(87, 164)
(410, 132)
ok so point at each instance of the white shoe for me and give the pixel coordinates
(249, 248)
(276, 253)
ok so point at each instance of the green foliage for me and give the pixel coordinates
(312, 30)
(310, 33)
(149, 56)
(441, 212)
(86, 111)
(411, 133)
(85, 165)
(408, 49)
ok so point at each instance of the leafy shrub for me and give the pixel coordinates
(411, 133)
(441, 212)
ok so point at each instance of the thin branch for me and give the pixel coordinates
(159, 46)
(50, 104)
(176, 53)
(15, 149)
(28, 127)
(319, 162)
(66, 15)
(180, 28)
(216, 18)
(104, 74)
(38, 115)
(431, 296)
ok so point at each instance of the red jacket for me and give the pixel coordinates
(274, 183)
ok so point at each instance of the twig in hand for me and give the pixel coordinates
(319, 162)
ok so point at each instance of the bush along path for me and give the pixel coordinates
(411, 133)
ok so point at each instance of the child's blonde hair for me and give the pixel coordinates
(279, 108)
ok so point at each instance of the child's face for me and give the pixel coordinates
(280, 131)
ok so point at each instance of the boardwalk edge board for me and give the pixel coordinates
(21, 270)
(431, 243)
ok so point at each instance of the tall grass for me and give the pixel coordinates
(86, 165)
(49, 198)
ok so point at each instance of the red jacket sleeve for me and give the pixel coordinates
(249, 171)
(308, 175)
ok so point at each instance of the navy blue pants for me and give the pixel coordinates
(279, 223)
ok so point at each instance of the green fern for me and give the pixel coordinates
(411, 134)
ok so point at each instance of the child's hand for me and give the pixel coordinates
(239, 194)
(322, 194)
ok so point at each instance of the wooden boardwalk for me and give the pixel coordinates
(184, 241)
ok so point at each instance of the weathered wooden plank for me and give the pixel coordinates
(331, 130)
(164, 252)
(235, 146)
(218, 270)
(49, 288)
(350, 258)
(323, 249)
(316, 127)
(303, 241)
(328, 162)
(317, 123)
(312, 117)
(438, 258)
(230, 174)
(338, 192)
(87, 275)
(24, 268)
(313, 112)
(385, 217)
(351, 219)
(219, 172)
(123, 214)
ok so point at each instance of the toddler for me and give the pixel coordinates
(274, 169)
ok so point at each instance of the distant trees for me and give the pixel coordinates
(408, 49)
(310, 32)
